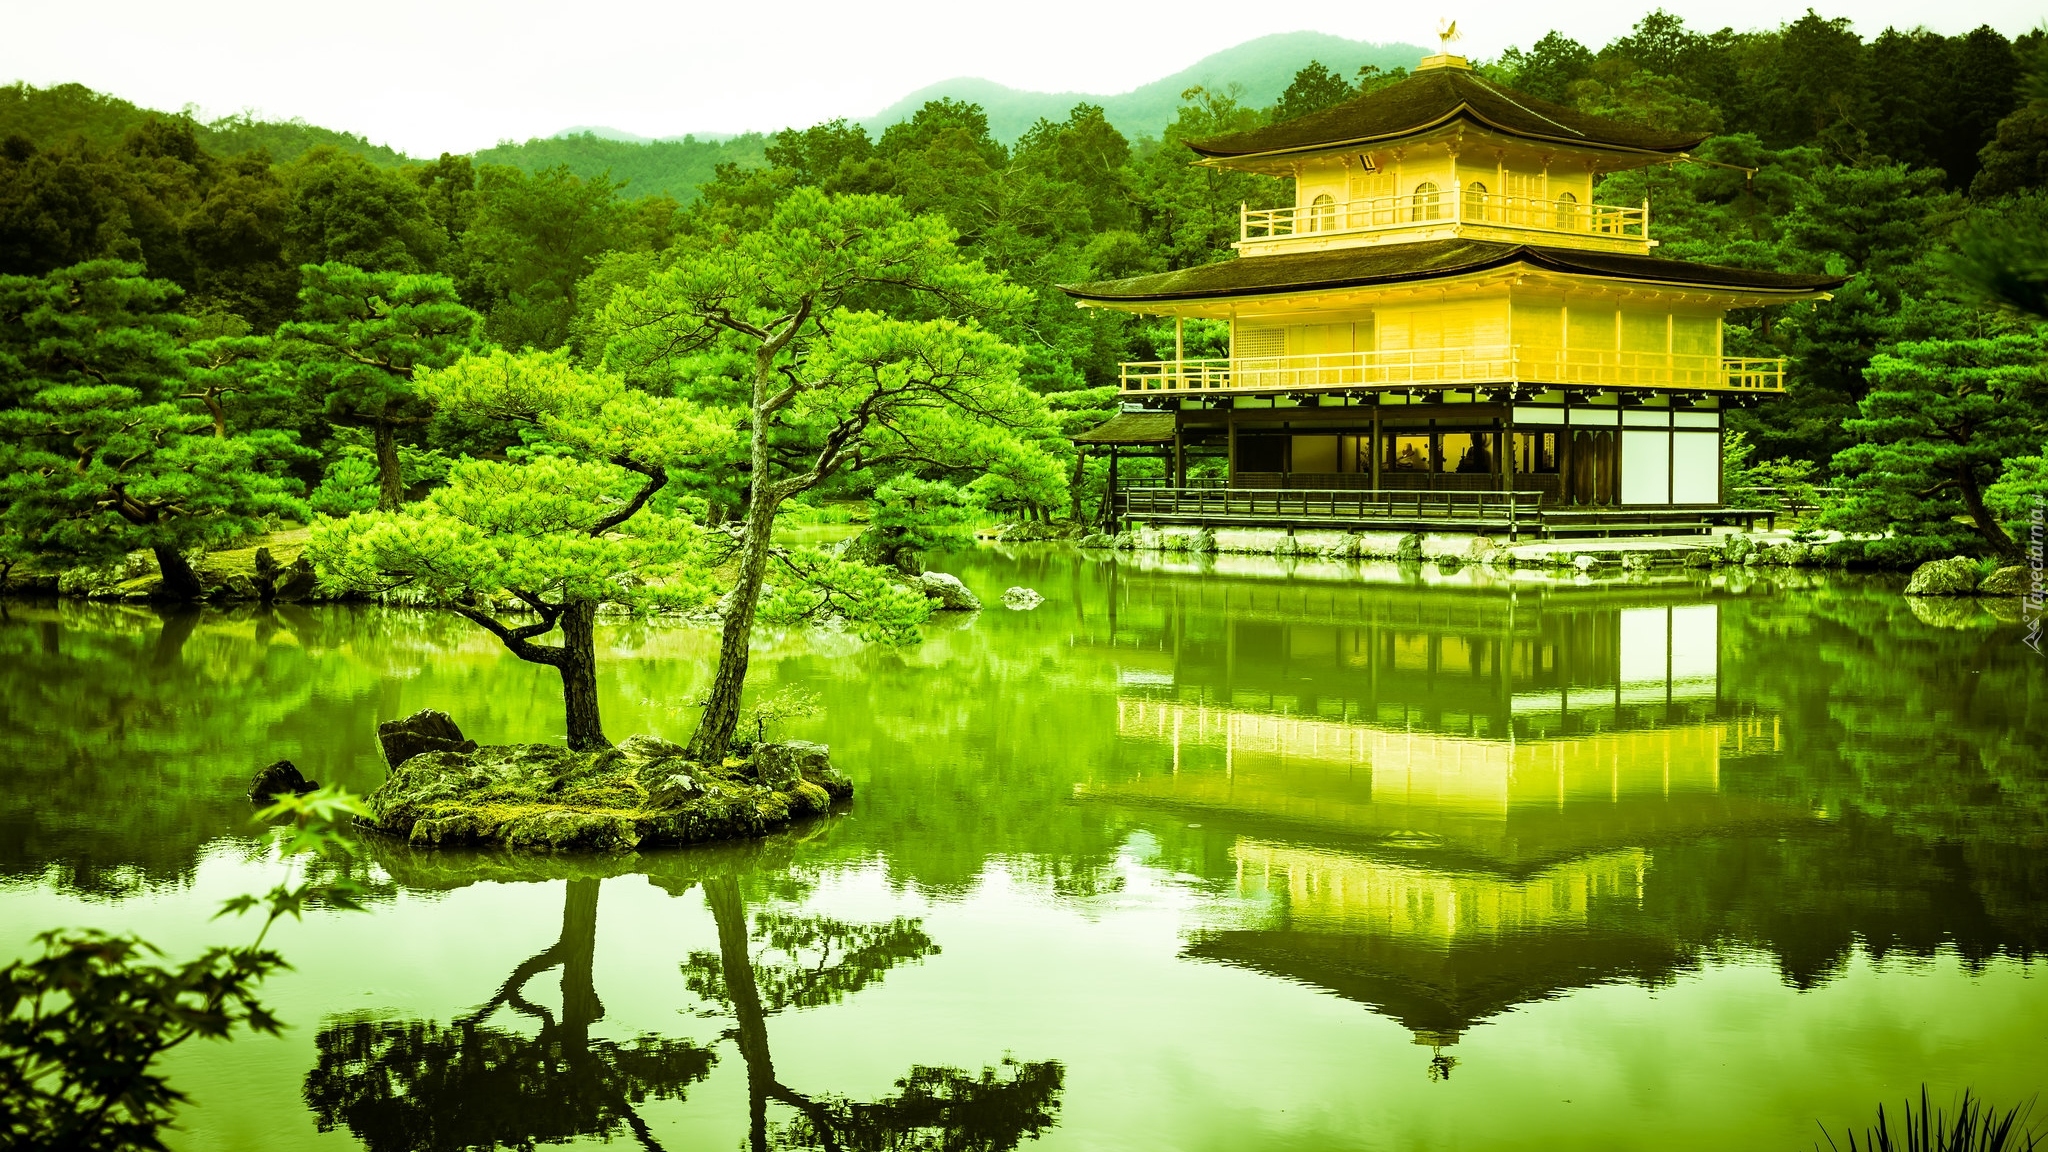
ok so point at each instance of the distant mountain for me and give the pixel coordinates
(604, 133)
(1264, 67)
(678, 165)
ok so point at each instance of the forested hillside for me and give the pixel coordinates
(64, 111)
(1911, 163)
(651, 168)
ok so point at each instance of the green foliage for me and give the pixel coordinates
(2019, 497)
(85, 1024)
(853, 386)
(2001, 253)
(672, 168)
(360, 343)
(1314, 89)
(534, 238)
(568, 522)
(1940, 419)
(348, 485)
(910, 517)
(344, 210)
(98, 453)
(1548, 69)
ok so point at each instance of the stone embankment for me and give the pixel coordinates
(447, 791)
(273, 572)
(1962, 576)
(1459, 549)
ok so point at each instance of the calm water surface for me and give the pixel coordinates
(1183, 859)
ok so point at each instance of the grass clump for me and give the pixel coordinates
(1974, 1127)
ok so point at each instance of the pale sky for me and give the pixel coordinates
(428, 76)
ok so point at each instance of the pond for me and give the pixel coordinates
(1196, 855)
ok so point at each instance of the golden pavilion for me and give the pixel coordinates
(1445, 325)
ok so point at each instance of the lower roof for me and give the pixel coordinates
(1130, 428)
(1426, 260)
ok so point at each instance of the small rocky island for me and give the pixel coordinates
(446, 790)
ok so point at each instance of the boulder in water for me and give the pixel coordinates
(294, 582)
(427, 730)
(1956, 576)
(952, 595)
(1021, 599)
(781, 766)
(279, 779)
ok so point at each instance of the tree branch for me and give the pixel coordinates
(518, 640)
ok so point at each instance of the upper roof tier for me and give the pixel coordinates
(1440, 93)
(1371, 268)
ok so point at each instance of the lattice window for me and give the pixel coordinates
(1259, 340)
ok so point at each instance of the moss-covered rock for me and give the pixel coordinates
(2011, 580)
(643, 793)
(1955, 577)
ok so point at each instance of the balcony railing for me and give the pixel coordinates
(1332, 218)
(1456, 367)
(1212, 504)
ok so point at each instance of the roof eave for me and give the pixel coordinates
(1462, 111)
(1530, 257)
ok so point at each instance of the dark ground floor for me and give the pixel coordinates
(1595, 466)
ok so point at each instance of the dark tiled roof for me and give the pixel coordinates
(1131, 428)
(1424, 260)
(1437, 96)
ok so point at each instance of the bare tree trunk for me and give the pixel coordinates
(1987, 525)
(721, 716)
(180, 582)
(722, 708)
(578, 665)
(390, 477)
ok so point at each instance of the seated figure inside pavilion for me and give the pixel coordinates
(1446, 308)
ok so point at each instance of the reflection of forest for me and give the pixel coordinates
(410, 1084)
(128, 735)
(416, 1085)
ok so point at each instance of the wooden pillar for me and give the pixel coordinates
(1566, 486)
(1232, 426)
(1375, 446)
(1109, 494)
(1180, 459)
(1504, 431)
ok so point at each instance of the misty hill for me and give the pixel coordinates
(63, 112)
(677, 165)
(1264, 67)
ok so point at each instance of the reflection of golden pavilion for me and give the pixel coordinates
(1442, 872)
(1341, 892)
(1506, 805)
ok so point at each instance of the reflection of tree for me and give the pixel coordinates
(813, 961)
(413, 1084)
